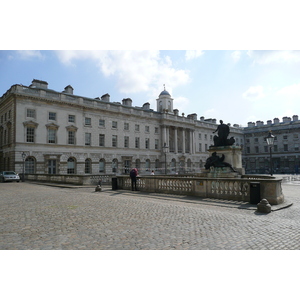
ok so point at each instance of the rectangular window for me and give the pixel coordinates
(102, 123)
(266, 149)
(200, 147)
(147, 143)
(275, 148)
(30, 135)
(285, 147)
(205, 136)
(88, 137)
(248, 150)
(156, 130)
(71, 137)
(126, 141)
(101, 140)
(52, 116)
(30, 113)
(147, 129)
(285, 137)
(296, 136)
(256, 140)
(126, 126)
(114, 141)
(156, 144)
(72, 118)
(200, 136)
(296, 147)
(51, 136)
(114, 124)
(87, 121)
(137, 142)
(137, 127)
(256, 149)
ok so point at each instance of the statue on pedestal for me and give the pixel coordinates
(222, 138)
(217, 162)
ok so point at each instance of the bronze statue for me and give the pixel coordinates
(217, 162)
(222, 138)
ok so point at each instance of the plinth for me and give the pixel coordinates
(233, 156)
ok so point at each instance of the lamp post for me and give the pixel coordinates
(270, 141)
(165, 147)
(23, 175)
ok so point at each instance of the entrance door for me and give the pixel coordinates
(127, 164)
(51, 166)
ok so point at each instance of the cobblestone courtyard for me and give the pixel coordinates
(35, 216)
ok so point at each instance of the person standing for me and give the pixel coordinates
(133, 174)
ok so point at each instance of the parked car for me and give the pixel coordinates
(9, 176)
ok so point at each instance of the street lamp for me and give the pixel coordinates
(270, 141)
(23, 175)
(165, 147)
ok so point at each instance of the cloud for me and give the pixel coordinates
(192, 54)
(134, 71)
(254, 93)
(27, 55)
(290, 91)
(273, 56)
(236, 55)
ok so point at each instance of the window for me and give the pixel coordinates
(71, 166)
(156, 144)
(296, 147)
(256, 140)
(137, 142)
(114, 124)
(30, 113)
(156, 129)
(52, 116)
(126, 141)
(114, 165)
(30, 165)
(102, 123)
(147, 129)
(30, 134)
(285, 137)
(285, 147)
(87, 121)
(71, 137)
(200, 136)
(137, 127)
(275, 148)
(101, 140)
(88, 138)
(248, 150)
(72, 118)
(296, 136)
(200, 147)
(147, 165)
(126, 126)
(256, 149)
(205, 136)
(114, 141)
(51, 135)
(101, 165)
(266, 148)
(87, 166)
(147, 143)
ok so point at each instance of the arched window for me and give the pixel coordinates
(189, 164)
(102, 166)
(71, 163)
(88, 166)
(147, 165)
(30, 165)
(173, 165)
(114, 165)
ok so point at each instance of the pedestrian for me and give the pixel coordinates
(152, 172)
(133, 174)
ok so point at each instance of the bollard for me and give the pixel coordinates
(264, 206)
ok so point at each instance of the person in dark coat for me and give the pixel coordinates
(133, 174)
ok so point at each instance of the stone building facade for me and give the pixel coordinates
(63, 133)
(285, 152)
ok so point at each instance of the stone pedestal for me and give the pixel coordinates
(233, 156)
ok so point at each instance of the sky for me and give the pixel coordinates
(233, 85)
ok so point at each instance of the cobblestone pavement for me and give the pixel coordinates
(34, 216)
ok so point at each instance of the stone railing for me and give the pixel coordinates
(71, 179)
(238, 189)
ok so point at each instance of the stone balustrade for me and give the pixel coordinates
(218, 188)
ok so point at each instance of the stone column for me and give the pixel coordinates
(175, 141)
(183, 140)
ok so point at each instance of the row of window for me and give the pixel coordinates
(275, 148)
(284, 137)
(6, 116)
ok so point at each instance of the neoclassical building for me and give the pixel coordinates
(285, 151)
(63, 133)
